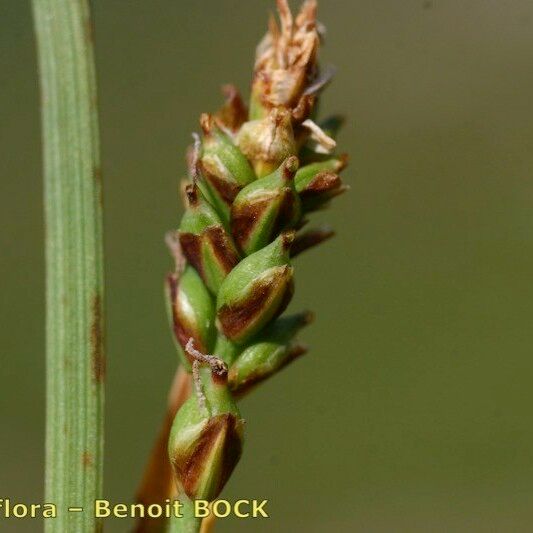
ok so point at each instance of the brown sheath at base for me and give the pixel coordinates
(157, 484)
(208, 524)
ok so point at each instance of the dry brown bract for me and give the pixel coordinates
(286, 58)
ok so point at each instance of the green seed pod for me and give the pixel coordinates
(223, 166)
(206, 438)
(317, 183)
(305, 175)
(265, 208)
(323, 187)
(204, 241)
(268, 141)
(191, 310)
(268, 354)
(257, 290)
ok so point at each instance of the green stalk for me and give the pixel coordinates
(74, 258)
(188, 523)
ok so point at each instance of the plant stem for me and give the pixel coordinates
(74, 259)
(188, 523)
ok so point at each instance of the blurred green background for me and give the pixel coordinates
(413, 411)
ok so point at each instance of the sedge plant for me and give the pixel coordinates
(255, 176)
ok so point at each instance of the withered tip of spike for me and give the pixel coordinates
(273, 25)
(308, 5)
(306, 17)
(285, 15)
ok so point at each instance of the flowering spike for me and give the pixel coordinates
(253, 178)
(257, 290)
(266, 207)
